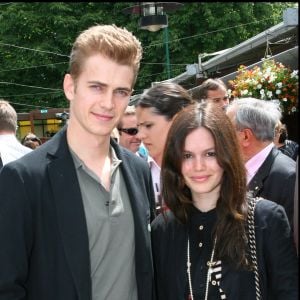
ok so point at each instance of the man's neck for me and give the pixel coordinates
(255, 148)
(7, 132)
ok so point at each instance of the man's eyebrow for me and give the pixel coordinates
(97, 82)
(124, 89)
(105, 85)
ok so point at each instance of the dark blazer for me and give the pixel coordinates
(276, 253)
(44, 252)
(275, 180)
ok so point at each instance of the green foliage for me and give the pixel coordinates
(36, 39)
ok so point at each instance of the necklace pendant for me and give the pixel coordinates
(209, 271)
(210, 264)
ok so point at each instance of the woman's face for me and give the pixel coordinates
(153, 131)
(200, 168)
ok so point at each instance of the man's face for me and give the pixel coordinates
(99, 96)
(131, 142)
(218, 97)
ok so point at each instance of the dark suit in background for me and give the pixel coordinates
(275, 180)
(296, 208)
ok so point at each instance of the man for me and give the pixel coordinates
(128, 130)
(10, 148)
(75, 214)
(213, 90)
(270, 173)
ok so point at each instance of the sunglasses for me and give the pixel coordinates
(130, 131)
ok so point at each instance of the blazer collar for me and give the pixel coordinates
(256, 184)
(139, 204)
(70, 212)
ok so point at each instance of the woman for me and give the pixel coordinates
(201, 245)
(155, 111)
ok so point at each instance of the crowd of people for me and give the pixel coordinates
(180, 196)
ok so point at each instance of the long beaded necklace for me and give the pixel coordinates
(209, 271)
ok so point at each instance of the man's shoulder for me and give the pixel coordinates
(284, 162)
(126, 155)
(277, 162)
(267, 210)
(38, 157)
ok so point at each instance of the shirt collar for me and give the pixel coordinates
(255, 162)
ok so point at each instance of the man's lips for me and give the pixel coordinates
(104, 117)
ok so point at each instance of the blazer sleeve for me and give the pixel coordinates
(278, 262)
(16, 237)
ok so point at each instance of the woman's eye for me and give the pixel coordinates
(148, 126)
(211, 153)
(187, 155)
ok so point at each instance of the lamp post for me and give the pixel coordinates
(153, 17)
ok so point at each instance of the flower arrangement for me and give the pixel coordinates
(271, 81)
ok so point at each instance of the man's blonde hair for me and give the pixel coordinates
(114, 42)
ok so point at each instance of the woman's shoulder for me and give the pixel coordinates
(165, 222)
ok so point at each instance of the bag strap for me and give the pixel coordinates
(252, 243)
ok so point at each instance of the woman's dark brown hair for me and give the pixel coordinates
(231, 205)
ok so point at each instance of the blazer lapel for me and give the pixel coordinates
(137, 201)
(71, 217)
(257, 182)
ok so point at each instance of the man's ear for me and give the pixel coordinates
(69, 87)
(247, 136)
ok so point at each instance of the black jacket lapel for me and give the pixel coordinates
(70, 215)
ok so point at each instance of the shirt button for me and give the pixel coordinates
(213, 282)
(200, 244)
(201, 227)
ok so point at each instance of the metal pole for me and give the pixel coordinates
(166, 41)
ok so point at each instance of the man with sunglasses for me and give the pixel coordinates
(128, 130)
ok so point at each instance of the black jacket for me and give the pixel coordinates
(275, 180)
(276, 253)
(44, 252)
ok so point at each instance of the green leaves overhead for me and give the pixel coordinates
(36, 39)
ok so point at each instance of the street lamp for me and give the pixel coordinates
(153, 17)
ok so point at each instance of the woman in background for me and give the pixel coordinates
(155, 112)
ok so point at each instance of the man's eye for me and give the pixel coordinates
(123, 93)
(95, 87)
